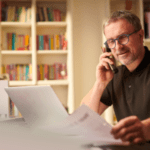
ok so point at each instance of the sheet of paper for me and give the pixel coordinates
(3, 100)
(86, 123)
(39, 105)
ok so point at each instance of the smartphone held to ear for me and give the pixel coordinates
(112, 67)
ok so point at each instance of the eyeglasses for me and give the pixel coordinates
(122, 39)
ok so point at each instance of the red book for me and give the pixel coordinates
(60, 71)
(55, 14)
(46, 73)
(10, 72)
(46, 42)
(58, 15)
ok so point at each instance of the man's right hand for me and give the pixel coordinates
(103, 72)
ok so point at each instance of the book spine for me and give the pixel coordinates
(37, 42)
(38, 72)
(27, 72)
(41, 72)
(30, 71)
(42, 10)
(45, 13)
(52, 42)
(49, 37)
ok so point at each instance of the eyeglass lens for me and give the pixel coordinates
(122, 39)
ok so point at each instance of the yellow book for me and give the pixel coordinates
(26, 42)
(52, 42)
(30, 42)
(2, 69)
(41, 72)
(57, 41)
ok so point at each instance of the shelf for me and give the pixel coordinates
(20, 83)
(52, 52)
(52, 24)
(11, 52)
(147, 40)
(51, 0)
(15, 24)
(52, 82)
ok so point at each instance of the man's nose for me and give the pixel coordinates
(118, 45)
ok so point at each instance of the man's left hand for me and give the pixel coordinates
(129, 129)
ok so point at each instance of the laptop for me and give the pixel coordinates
(39, 105)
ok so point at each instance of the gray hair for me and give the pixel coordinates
(128, 16)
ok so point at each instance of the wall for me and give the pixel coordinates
(87, 41)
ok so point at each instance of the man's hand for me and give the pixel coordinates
(103, 71)
(130, 129)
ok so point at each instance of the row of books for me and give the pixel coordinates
(14, 13)
(18, 72)
(49, 14)
(23, 72)
(56, 71)
(51, 42)
(147, 24)
(16, 41)
(13, 111)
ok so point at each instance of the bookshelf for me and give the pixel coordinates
(33, 27)
(136, 6)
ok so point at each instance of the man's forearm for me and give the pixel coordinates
(94, 101)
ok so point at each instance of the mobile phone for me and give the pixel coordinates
(112, 67)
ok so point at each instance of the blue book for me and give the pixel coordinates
(27, 73)
(13, 41)
(40, 43)
(49, 43)
(42, 39)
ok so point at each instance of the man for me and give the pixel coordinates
(127, 90)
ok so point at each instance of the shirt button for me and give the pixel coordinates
(129, 86)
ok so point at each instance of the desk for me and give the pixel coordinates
(16, 135)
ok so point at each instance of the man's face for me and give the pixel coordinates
(131, 52)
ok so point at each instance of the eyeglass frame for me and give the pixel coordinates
(127, 35)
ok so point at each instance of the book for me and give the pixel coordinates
(45, 13)
(147, 18)
(27, 73)
(41, 71)
(46, 72)
(51, 72)
(30, 71)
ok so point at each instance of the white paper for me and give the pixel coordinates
(3, 100)
(86, 123)
(38, 105)
(43, 111)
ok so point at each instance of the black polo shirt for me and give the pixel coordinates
(129, 92)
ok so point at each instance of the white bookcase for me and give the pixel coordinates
(63, 88)
(138, 9)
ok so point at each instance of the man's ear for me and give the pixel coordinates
(141, 34)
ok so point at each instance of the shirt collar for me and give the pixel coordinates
(142, 65)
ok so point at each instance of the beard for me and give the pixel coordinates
(127, 56)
